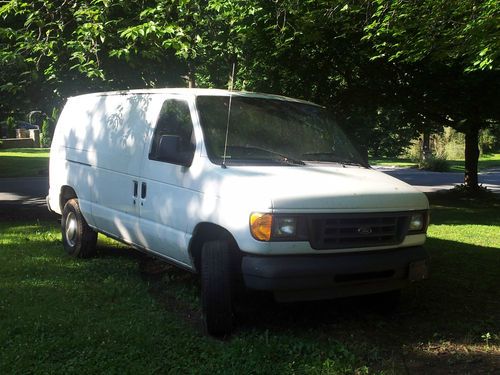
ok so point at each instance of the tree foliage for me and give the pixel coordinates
(387, 69)
(463, 32)
(451, 49)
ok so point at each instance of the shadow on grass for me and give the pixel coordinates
(436, 329)
(432, 330)
(450, 209)
(120, 251)
(459, 301)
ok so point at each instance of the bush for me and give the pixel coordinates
(414, 151)
(45, 138)
(435, 163)
(449, 142)
(47, 130)
(11, 127)
(489, 142)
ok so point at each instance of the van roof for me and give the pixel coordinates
(195, 92)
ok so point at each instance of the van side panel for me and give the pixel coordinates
(97, 150)
(69, 160)
(119, 130)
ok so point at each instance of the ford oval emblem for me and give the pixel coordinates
(365, 230)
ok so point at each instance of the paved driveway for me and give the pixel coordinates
(25, 197)
(24, 190)
(434, 181)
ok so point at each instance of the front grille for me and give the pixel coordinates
(342, 231)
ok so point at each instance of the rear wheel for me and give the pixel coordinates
(79, 240)
(216, 288)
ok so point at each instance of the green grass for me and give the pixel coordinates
(485, 162)
(24, 162)
(393, 162)
(108, 315)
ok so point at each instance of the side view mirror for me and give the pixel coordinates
(171, 150)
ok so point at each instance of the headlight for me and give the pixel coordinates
(277, 227)
(285, 227)
(417, 222)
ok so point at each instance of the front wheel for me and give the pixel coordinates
(216, 288)
(79, 240)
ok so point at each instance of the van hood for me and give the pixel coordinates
(321, 188)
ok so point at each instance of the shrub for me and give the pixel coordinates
(48, 126)
(45, 138)
(414, 151)
(489, 141)
(450, 142)
(11, 127)
(435, 163)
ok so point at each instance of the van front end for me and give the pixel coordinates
(328, 255)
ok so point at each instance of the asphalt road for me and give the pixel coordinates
(25, 197)
(434, 181)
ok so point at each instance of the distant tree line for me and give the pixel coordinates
(388, 69)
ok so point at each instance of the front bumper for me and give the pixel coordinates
(308, 277)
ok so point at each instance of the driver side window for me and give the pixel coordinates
(173, 139)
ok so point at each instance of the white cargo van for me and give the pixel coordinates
(246, 189)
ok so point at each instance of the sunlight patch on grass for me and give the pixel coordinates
(29, 162)
(478, 235)
(104, 315)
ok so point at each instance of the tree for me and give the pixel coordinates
(451, 50)
(387, 69)
(50, 50)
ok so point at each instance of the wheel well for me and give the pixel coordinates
(204, 232)
(66, 194)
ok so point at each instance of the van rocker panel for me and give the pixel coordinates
(389, 269)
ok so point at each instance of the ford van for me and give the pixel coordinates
(249, 190)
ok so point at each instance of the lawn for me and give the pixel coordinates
(24, 162)
(114, 314)
(486, 161)
(29, 162)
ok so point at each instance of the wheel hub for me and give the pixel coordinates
(71, 225)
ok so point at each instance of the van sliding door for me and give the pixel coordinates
(120, 124)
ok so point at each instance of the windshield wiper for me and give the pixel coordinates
(284, 158)
(329, 157)
(278, 157)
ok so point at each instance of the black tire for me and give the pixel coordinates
(79, 240)
(216, 288)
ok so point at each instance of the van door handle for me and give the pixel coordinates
(136, 188)
(136, 191)
(143, 190)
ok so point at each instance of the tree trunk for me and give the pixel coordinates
(471, 157)
(363, 152)
(191, 76)
(426, 145)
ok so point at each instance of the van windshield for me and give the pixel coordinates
(264, 131)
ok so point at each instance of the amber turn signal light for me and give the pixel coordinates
(260, 226)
